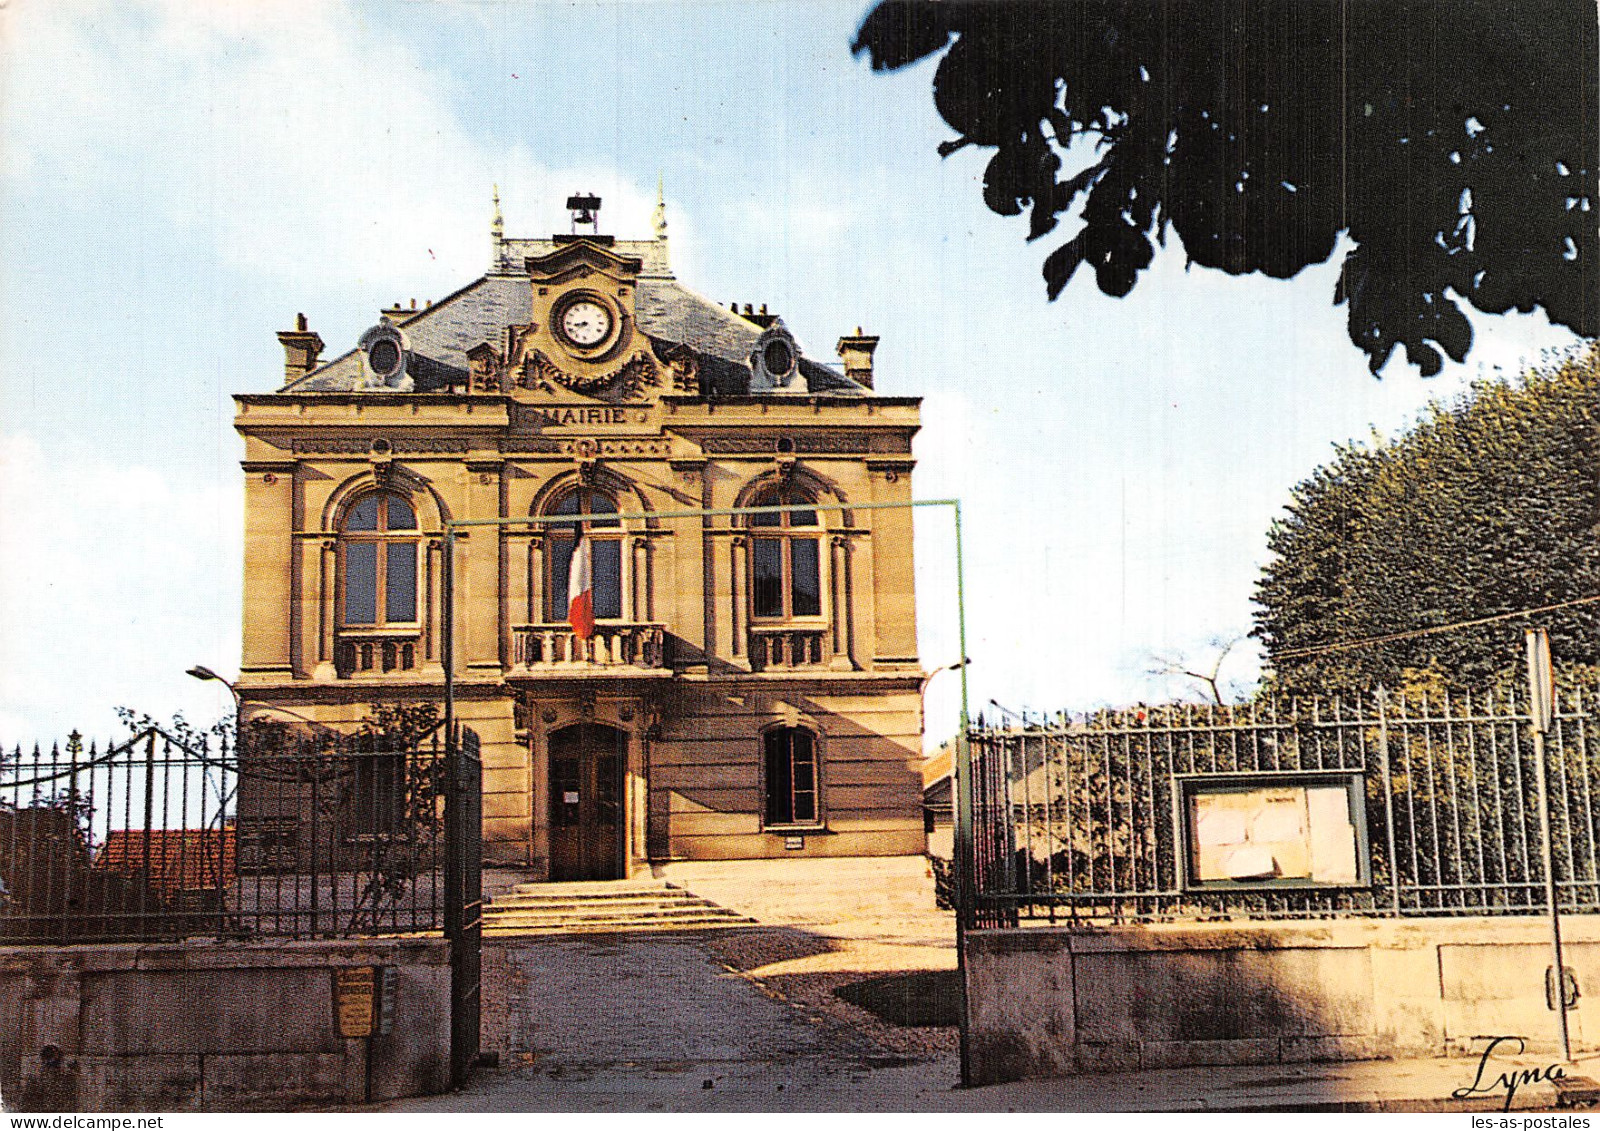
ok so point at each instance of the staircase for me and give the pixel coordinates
(603, 905)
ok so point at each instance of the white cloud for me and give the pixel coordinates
(113, 581)
(313, 145)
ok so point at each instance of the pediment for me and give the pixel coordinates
(579, 258)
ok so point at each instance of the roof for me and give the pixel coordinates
(180, 859)
(439, 337)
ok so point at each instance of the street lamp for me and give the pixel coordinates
(922, 692)
(1020, 716)
(927, 679)
(201, 672)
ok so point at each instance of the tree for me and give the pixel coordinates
(1488, 505)
(1453, 141)
(1207, 676)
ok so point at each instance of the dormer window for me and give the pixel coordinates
(775, 362)
(778, 357)
(384, 348)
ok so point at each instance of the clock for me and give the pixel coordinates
(585, 323)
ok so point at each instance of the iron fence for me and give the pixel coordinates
(297, 835)
(1382, 805)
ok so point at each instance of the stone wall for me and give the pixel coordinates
(208, 1026)
(1047, 1002)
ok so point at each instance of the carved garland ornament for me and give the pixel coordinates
(538, 371)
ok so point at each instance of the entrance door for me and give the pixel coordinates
(586, 802)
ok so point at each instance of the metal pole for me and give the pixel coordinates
(447, 632)
(1539, 715)
(963, 818)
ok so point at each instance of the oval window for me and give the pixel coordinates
(777, 357)
(384, 357)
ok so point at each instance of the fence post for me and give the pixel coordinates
(1388, 798)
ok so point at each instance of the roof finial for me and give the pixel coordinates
(497, 231)
(661, 209)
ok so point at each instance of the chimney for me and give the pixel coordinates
(857, 354)
(301, 347)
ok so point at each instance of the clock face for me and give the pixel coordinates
(585, 323)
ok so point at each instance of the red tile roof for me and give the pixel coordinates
(180, 859)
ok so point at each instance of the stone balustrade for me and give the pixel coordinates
(362, 651)
(555, 647)
(783, 648)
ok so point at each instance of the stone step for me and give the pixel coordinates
(520, 899)
(532, 915)
(600, 888)
(605, 911)
(615, 906)
(494, 929)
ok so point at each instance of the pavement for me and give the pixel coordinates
(745, 1020)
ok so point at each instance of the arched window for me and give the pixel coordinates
(605, 549)
(785, 556)
(791, 777)
(378, 561)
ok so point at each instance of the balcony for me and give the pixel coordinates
(555, 649)
(380, 651)
(785, 648)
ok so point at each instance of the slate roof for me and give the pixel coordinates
(438, 338)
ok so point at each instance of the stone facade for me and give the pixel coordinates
(752, 685)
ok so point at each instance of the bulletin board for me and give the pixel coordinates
(1272, 830)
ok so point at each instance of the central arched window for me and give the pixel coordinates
(605, 535)
(785, 556)
(378, 559)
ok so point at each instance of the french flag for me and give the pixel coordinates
(580, 591)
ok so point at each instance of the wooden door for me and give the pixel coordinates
(586, 763)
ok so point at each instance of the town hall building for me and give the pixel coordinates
(751, 687)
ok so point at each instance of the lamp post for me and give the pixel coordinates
(927, 679)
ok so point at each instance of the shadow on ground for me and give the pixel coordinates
(918, 998)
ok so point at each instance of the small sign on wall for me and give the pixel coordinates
(364, 1000)
(355, 992)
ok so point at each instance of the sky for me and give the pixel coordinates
(178, 180)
